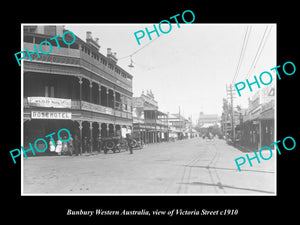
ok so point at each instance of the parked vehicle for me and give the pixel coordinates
(114, 144)
(136, 142)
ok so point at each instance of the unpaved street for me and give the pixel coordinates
(193, 166)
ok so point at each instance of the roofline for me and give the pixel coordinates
(78, 41)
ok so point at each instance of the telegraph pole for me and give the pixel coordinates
(231, 95)
(179, 124)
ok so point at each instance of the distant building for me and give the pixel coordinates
(149, 123)
(206, 120)
(180, 127)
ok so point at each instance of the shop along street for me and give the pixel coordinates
(189, 166)
(152, 121)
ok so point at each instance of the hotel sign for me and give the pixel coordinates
(49, 102)
(137, 102)
(51, 115)
(96, 108)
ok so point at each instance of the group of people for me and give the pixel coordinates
(209, 136)
(73, 145)
(62, 148)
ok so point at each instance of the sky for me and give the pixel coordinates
(190, 66)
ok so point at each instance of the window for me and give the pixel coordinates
(117, 70)
(49, 91)
(103, 61)
(30, 29)
(28, 39)
(110, 66)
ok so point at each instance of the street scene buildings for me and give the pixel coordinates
(183, 132)
(253, 127)
(149, 123)
(74, 87)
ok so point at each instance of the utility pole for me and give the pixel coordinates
(231, 96)
(179, 124)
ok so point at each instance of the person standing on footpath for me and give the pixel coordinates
(58, 147)
(51, 146)
(70, 145)
(129, 140)
(77, 144)
(100, 143)
(85, 143)
(64, 147)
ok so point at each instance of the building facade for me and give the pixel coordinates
(149, 123)
(206, 120)
(74, 87)
(258, 123)
(180, 127)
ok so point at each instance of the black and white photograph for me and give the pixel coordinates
(170, 115)
(181, 115)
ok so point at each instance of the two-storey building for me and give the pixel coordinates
(148, 121)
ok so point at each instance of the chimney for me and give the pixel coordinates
(108, 51)
(91, 41)
(88, 35)
(112, 55)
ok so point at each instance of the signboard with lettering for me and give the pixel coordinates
(137, 102)
(51, 115)
(96, 108)
(49, 102)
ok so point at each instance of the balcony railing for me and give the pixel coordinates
(156, 121)
(87, 106)
(76, 57)
(83, 105)
(55, 50)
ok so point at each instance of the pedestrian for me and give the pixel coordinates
(90, 141)
(99, 143)
(211, 136)
(70, 144)
(129, 140)
(51, 146)
(85, 142)
(64, 147)
(76, 144)
(58, 147)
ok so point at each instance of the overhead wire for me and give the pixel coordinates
(259, 51)
(242, 53)
(138, 49)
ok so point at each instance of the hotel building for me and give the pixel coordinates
(74, 87)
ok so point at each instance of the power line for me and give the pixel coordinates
(259, 51)
(138, 50)
(242, 53)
